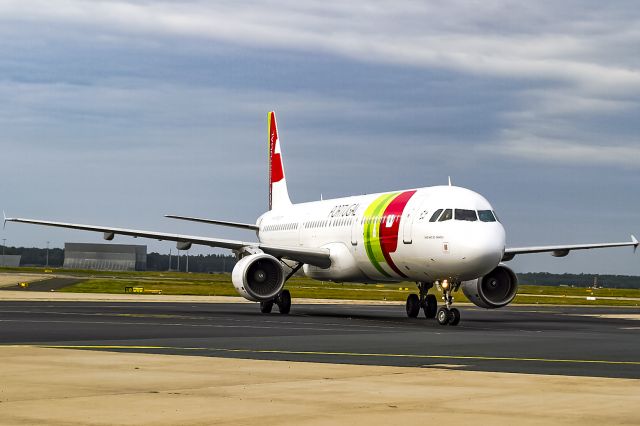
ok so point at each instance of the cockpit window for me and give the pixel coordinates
(446, 215)
(435, 215)
(496, 216)
(486, 216)
(468, 215)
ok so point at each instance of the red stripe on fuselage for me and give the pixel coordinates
(389, 234)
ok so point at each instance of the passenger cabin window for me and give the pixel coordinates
(435, 215)
(467, 215)
(486, 216)
(446, 215)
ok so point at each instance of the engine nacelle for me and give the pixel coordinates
(258, 277)
(495, 290)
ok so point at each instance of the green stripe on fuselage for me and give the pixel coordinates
(372, 230)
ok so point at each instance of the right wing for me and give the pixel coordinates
(563, 250)
(313, 256)
(215, 222)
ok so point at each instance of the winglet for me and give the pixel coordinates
(4, 224)
(634, 240)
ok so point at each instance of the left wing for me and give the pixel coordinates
(249, 226)
(313, 256)
(563, 250)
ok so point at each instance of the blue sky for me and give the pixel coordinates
(118, 112)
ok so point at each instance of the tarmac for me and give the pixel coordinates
(170, 362)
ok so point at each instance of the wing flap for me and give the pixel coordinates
(249, 226)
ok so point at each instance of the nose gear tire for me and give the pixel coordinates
(454, 316)
(443, 316)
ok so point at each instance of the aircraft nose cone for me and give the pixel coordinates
(481, 251)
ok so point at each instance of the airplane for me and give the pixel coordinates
(447, 237)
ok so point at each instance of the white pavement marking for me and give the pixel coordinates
(633, 317)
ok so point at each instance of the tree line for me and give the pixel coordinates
(32, 256)
(579, 280)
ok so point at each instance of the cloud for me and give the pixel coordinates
(450, 35)
(538, 149)
(160, 105)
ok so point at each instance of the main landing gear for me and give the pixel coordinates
(427, 302)
(283, 301)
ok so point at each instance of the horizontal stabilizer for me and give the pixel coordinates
(215, 222)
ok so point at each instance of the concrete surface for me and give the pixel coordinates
(74, 387)
(11, 279)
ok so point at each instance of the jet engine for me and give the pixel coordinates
(495, 290)
(258, 277)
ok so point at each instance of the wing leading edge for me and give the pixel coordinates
(316, 257)
(563, 250)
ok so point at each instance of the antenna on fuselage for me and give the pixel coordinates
(449, 180)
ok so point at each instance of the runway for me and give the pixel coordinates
(572, 341)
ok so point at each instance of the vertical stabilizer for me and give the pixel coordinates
(278, 193)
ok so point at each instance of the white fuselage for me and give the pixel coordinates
(394, 236)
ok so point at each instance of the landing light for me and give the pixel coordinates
(445, 284)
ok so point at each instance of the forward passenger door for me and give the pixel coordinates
(407, 225)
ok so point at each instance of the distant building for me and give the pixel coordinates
(105, 257)
(10, 260)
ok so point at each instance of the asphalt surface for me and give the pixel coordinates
(537, 340)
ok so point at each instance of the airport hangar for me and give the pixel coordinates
(108, 257)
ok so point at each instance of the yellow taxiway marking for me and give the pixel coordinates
(417, 356)
(355, 354)
(117, 347)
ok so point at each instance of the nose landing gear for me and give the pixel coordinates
(428, 302)
(447, 314)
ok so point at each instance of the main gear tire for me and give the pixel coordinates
(284, 302)
(430, 306)
(413, 306)
(266, 307)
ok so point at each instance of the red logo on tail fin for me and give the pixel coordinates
(275, 159)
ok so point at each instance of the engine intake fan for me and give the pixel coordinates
(258, 277)
(495, 290)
